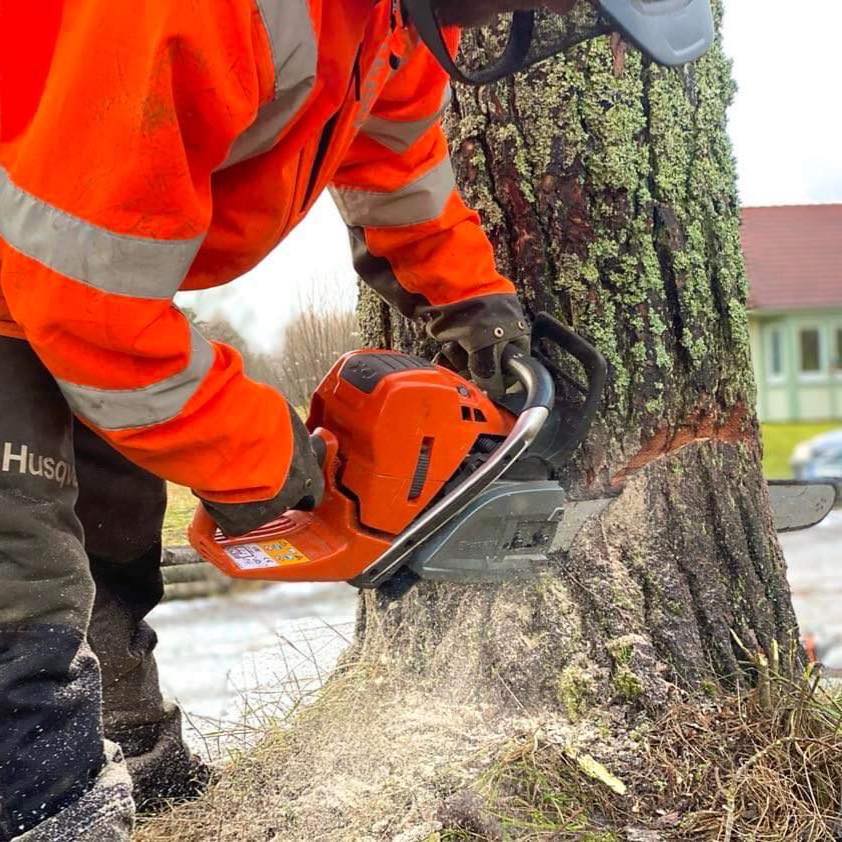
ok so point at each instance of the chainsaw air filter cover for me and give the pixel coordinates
(404, 428)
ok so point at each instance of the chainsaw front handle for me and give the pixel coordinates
(532, 375)
(569, 425)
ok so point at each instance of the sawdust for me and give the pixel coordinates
(377, 759)
(370, 760)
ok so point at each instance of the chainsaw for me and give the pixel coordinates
(427, 477)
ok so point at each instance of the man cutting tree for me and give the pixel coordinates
(169, 146)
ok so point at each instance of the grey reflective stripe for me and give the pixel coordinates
(420, 201)
(399, 135)
(121, 409)
(292, 40)
(140, 267)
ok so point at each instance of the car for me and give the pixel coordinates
(819, 458)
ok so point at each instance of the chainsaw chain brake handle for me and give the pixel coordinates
(569, 423)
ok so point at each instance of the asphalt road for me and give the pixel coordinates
(814, 558)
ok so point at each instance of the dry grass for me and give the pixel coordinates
(538, 789)
(374, 762)
(764, 765)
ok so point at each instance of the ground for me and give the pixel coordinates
(815, 575)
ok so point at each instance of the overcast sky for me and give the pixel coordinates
(786, 124)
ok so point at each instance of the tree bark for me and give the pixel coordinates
(608, 188)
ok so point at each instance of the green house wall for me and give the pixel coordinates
(793, 395)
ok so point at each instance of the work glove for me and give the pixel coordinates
(303, 489)
(474, 334)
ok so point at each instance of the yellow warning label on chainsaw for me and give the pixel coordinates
(277, 553)
(283, 552)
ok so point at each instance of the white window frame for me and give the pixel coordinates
(824, 363)
(835, 363)
(771, 377)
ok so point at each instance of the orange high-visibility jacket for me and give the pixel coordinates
(165, 145)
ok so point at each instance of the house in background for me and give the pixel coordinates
(794, 264)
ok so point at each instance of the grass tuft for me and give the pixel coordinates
(761, 765)
(539, 789)
(765, 765)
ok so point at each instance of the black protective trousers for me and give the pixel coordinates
(80, 545)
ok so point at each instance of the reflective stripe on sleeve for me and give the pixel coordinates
(294, 55)
(400, 135)
(121, 409)
(420, 201)
(141, 267)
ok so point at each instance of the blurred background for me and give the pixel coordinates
(293, 316)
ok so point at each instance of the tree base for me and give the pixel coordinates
(680, 573)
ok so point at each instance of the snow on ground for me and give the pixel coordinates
(232, 661)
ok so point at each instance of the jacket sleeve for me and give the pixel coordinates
(413, 239)
(104, 205)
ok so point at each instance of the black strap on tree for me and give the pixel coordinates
(420, 12)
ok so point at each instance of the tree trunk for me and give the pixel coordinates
(608, 188)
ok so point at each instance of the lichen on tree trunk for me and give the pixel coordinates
(608, 188)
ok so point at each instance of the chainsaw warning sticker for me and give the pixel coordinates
(269, 554)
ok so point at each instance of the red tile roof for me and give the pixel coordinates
(793, 256)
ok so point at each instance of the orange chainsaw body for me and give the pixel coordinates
(396, 430)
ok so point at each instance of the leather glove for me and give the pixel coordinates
(474, 333)
(303, 489)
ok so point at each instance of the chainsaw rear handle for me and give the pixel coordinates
(571, 427)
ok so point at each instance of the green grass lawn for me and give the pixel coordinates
(179, 514)
(779, 441)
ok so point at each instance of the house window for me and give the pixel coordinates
(776, 353)
(810, 344)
